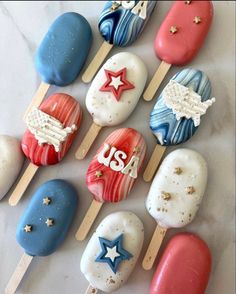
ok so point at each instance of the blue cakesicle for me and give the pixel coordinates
(163, 122)
(121, 26)
(47, 219)
(64, 49)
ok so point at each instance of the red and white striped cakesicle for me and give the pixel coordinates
(113, 172)
(51, 129)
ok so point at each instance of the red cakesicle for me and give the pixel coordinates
(184, 267)
(67, 110)
(113, 172)
(180, 37)
(51, 130)
(191, 22)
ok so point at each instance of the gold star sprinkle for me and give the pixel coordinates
(165, 196)
(187, 2)
(28, 228)
(136, 150)
(197, 19)
(173, 30)
(98, 174)
(46, 201)
(49, 222)
(178, 170)
(190, 190)
(114, 6)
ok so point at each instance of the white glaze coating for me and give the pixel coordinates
(11, 161)
(103, 106)
(184, 102)
(182, 206)
(99, 275)
(47, 129)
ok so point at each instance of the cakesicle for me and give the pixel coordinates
(184, 267)
(113, 95)
(51, 130)
(11, 161)
(175, 195)
(112, 252)
(62, 53)
(113, 172)
(178, 112)
(120, 24)
(180, 37)
(44, 224)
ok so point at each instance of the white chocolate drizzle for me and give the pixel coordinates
(47, 129)
(184, 102)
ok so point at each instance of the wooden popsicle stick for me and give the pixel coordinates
(91, 290)
(96, 62)
(18, 274)
(38, 98)
(156, 81)
(23, 184)
(87, 141)
(88, 220)
(153, 163)
(154, 247)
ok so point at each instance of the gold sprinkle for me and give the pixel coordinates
(173, 30)
(197, 19)
(98, 174)
(190, 190)
(46, 201)
(187, 2)
(114, 6)
(28, 228)
(178, 170)
(136, 150)
(165, 196)
(49, 222)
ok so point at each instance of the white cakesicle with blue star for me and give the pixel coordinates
(112, 252)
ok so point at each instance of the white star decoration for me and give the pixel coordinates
(116, 82)
(112, 253)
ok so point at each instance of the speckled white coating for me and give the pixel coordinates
(103, 106)
(99, 275)
(11, 161)
(182, 206)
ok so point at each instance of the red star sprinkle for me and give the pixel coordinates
(116, 83)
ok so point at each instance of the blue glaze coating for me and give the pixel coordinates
(121, 27)
(44, 240)
(163, 122)
(64, 49)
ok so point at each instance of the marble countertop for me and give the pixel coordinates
(23, 24)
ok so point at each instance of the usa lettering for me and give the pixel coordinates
(115, 160)
(140, 9)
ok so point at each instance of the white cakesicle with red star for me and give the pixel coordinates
(113, 94)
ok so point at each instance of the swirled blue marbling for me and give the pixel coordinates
(64, 49)
(163, 123)
(121, 27)
(44, 240)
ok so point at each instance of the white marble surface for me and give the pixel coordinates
(23, 25)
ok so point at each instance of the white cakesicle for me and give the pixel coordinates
(177, 189)
(11, 161)
(103, 106)
(100, 274)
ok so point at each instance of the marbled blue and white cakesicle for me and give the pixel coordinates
(178, 112)
(120, 24)
(44, 224)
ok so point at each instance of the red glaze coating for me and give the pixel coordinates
(68, 111)
(181, 47)
(114, 186)
(184, 267)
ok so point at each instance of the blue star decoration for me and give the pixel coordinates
(113, 252)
